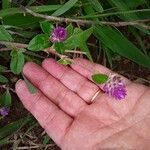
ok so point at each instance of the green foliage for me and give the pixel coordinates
(122, 6)
(4, 35)
(25, 21)
(115, 41)
(3, 79)
(78, 39)
(17, 61)
(64, 62)
(39, 9)
(6, 4)
(39, 42)
(135, 3)
(60, 47)
(70, 30)
(5, 99)
(64, 8)
(46, 139)
(2, 68)
(46, 27)
(12, 127)
(96, 5)
(31, 87)
(99, 78)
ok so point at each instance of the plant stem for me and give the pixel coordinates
(4, 49)
(90, 22)
(15, 45)
(113, 13)
(74, 51)
(50, 50)
(6, 87)
(53, 51)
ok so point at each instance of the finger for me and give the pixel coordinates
(50, 117)
(67, 100)
(71, 79)
(87, 69)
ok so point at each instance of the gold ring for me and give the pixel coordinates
(95, 95)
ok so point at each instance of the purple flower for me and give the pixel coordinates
(59, 34)
(115, 87)
(4, 111)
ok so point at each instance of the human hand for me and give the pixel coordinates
(61, 106)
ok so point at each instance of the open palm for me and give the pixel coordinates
(62, 107)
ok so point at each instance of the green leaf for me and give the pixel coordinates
(115, 41)
(6, 4)
(68, 5)
(99, 78)
(46, 27)
(5, 99)
(46, 139)
(83, 46)
(138, 39)
(17, 61)
(13, 127)
(64, 62)
(4, 141)
(4, 34)
(39, 42)
(25, 34)
(3, 79)
(60, 47)
(135, 3)
(70, 30)
(78, 39)
(96, 5)
(2, 68)
(21, 20)
(109, 54)
(30, 86)
(122, 6)
(39, 9)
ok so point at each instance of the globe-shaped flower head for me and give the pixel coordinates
(59, 34)
(115, 87)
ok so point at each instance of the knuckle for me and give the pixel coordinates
(81, 85)
(62, 96)
(50, 118)
(64, 73)
(42, 82)
(33, 101)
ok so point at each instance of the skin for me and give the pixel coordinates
(62, 107)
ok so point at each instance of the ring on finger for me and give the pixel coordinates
(94, 96)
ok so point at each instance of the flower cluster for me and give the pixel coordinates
(59, 34)
(4, 111)
(115, 87)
